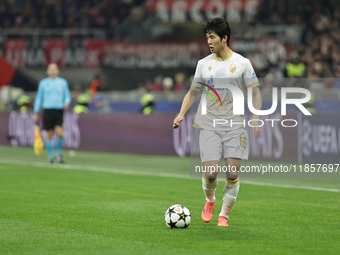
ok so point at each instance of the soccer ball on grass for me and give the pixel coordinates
(177, 216)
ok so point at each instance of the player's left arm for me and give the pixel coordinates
(257, 103)
(67, 96)
(251, 81)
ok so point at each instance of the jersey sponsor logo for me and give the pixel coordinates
(253, 75)
(232, 68)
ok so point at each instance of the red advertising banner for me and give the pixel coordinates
(95, 53)
(181, 11)
(15, 52)
(154, 5)
(154, 55)
(131, 55)
(142, 55)
(94, 50)
(55, 51)
(6, 72)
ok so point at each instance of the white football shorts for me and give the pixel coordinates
(229, 144)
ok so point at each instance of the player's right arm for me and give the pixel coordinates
(188, 100)
(38, 102)
(190, 97)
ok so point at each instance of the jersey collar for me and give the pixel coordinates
(228, 57)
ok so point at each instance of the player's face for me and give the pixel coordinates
(52, 70)
(215, 43)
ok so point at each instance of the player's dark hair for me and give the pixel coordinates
(218, 25)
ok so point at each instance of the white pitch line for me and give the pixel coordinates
(131, 172)
(93, 169)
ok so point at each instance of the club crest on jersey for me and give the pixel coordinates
(209, 68)
(232, 68)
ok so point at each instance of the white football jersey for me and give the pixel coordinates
(237, 71)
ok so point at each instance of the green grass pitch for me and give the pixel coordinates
(114, 204)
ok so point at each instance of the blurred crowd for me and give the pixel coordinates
(64, 13)
(179, 83)
(317, 55)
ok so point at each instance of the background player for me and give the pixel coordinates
(54, 96)
(223, 66)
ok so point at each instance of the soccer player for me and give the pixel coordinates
(54, 96)
(221, 67)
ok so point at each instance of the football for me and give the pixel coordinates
(177, 216)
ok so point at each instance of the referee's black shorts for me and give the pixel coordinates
(52, 118)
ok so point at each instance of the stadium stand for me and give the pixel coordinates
(283, 39)
(318, 48)
(64, 13)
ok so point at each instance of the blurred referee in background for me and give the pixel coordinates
(54, 96)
